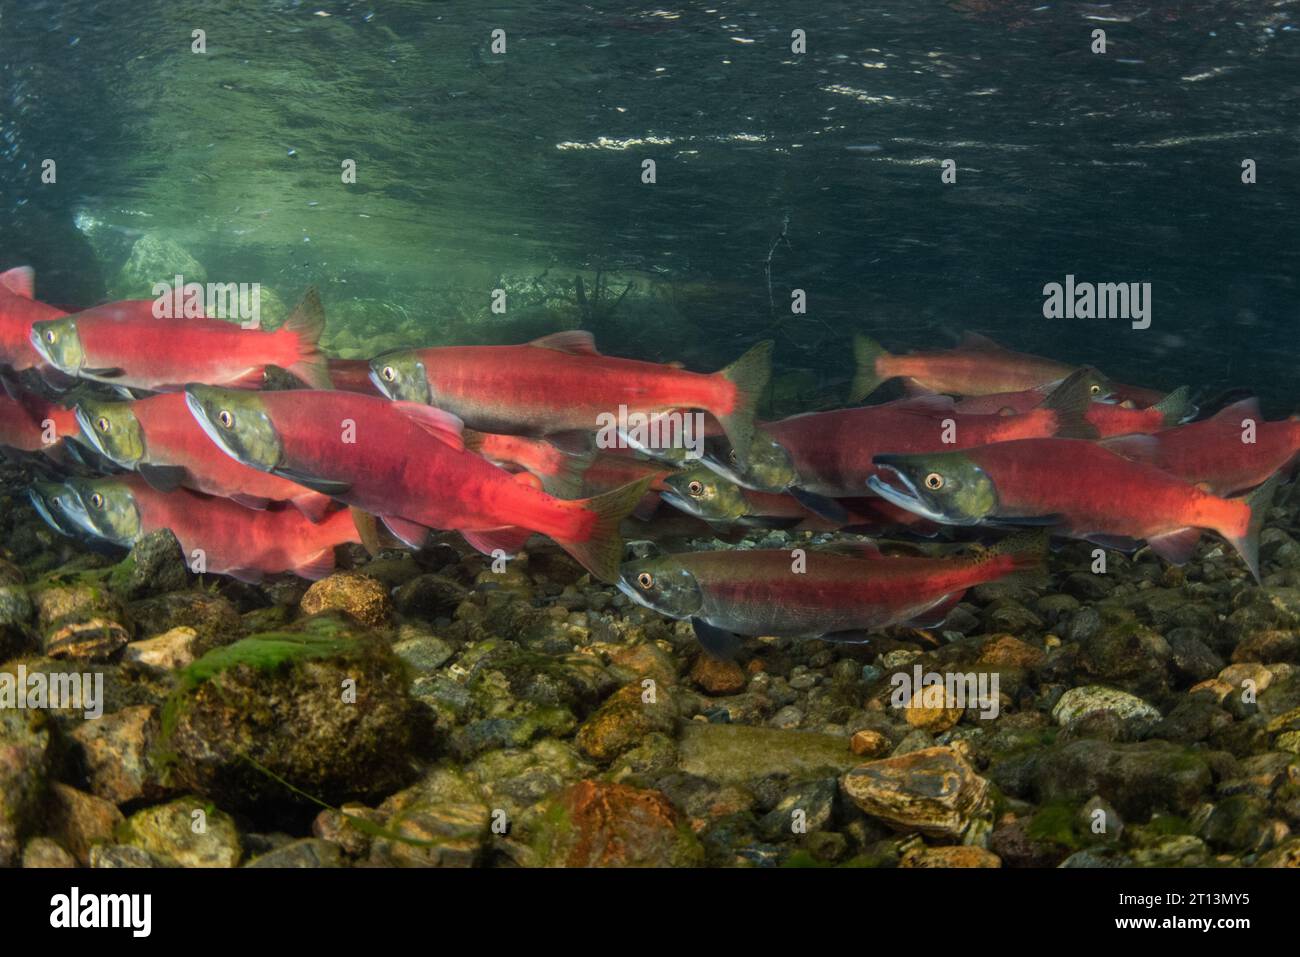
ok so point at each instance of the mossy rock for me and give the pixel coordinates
(320, 712)
(214, 619)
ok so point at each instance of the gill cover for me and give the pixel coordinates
(698, 491)
(662, 584)
(236, 420)
(113, 430)
(401, 376)
(104, 507)
(945, 487)
(59, 344)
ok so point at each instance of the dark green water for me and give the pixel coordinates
(775, 170)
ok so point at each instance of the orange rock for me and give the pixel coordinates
(936, 720)
(1006, 651)
(613, 825)
(959, 856)
(869, 744)
(717, 677)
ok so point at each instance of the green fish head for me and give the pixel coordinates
(400, 376)
(48, 500)
(105, 508)
(700, 492)
(236, 419)
(57, 342)
(113, 429)
(946, 487)
(662, 584)
(770, 468)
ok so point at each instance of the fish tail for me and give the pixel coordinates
(601, 551)
(1247, 543)
(1070, 401)
(305, 324)
(749, 374)
(1177, 406)
(312, 505)
(867, 353)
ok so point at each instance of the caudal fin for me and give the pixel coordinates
(305, 324)
(749, 374)
(1247, 544)
(1070, 401)
(601, 552)
(1177, 406)
(866, 352)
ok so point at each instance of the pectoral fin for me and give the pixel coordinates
(164, 478)
(1178, 546)
(716, 642)
(821, 506)
(331, 487)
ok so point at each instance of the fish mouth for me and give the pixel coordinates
(39, 344)
(75, 509)
(47, 514)
(679, 503)
(195, 405)
(91, 434)
(633, 593)
(904, 493)
(378, 382)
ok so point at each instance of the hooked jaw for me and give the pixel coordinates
(892, 484)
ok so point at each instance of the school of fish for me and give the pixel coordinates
(138, 424)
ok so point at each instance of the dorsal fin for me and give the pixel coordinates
(21, 281)
(441, 425)
(1248, 407)
(576, 342)
(974, 342)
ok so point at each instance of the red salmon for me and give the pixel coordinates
(124, 344)
(407, 463)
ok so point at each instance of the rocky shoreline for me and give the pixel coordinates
(426, 710)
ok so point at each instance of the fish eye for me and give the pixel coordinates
(389, 374)
(1095, 389)
(97, 500)
(102, 423)
(226, 418)
(645, 579)
(934, 481)
(49, 336)
(696, 488)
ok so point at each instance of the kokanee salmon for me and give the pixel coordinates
(19, 310)
(763, 592)
(560, 383)
(225, 537)
(407, 464)
(1080, 488)
(124, 344)
(978, 366)
(158, 438)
